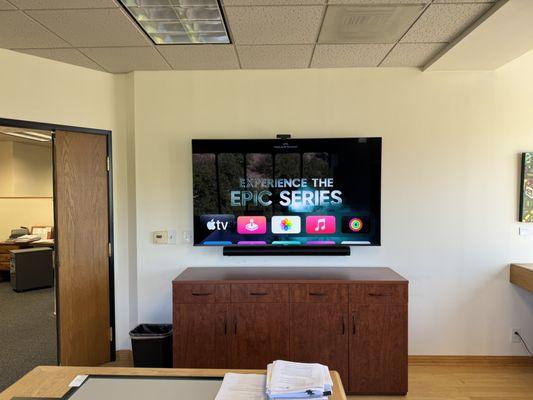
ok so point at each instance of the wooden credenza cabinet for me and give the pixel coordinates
(352, 319)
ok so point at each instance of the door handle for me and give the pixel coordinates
(317, 294)
(201, 294)
(225, 325)
(353, 324)
(235, 325)
(343, 325)
(377, 294)
(258, 293)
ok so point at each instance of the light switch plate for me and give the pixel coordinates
(525, 231)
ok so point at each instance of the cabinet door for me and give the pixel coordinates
(259, 334)
(200, 335)
(319, 334)
(378, 349)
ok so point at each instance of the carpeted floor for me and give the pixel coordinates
(27, 332)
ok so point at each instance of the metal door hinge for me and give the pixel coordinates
(110, 333)
(108, 164)
(109, 250)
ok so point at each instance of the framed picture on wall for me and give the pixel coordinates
(526, 188)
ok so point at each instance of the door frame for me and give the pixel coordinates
(15, 123)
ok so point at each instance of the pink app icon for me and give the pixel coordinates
(254, 225)
(320, 224)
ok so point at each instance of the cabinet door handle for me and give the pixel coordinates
(377, 294)
(258, 293)
(225, 325)
(235, 325)
(353, 324)
(317, 294)
(343, 325)
(201, 294)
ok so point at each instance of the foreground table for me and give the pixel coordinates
(53, 381)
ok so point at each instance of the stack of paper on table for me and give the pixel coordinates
(242, 387)
(291, 380)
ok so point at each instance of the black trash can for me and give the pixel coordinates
(152, 345)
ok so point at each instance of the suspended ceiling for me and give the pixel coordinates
(265, 34)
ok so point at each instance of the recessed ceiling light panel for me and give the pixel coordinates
(367, 24)
(180, 21)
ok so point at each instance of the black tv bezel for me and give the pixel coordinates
(286, 143)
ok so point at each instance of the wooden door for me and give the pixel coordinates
(259, 334)
(378, 349)
(319, 334)
(82, 243)
(200, 335)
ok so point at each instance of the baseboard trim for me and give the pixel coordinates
(124, 354)
(127, 355)
(471, 360)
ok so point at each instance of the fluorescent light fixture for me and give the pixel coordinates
(180, 21)
(37, 134)
(27, 136)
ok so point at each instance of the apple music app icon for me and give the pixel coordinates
(320, 224)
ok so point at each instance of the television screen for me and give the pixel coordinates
(287, 192)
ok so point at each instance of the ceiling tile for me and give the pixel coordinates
(349, 55)
(18, 31)
(205, 56)
(62, 4)
(92, 28)
(275, 56)
(127, 59)
(412, 54)
(444, 22)
(4, 5)
(379, 1)
(275, 25)
(272, 2)
(69, 56)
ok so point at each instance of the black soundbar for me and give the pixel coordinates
(286, 250)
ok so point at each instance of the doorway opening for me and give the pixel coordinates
(56, 247)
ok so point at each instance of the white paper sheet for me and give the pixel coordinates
(242, 387)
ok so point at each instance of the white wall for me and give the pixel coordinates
(451, 144)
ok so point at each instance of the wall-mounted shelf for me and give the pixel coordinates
(522, 275)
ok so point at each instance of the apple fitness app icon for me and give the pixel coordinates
(355, 224)
(286, 224)
(251, 225)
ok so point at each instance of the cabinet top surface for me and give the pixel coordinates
(289, 274)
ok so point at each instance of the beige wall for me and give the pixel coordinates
(25, 171)
(451, 145)
(450, 176)
(15, 213)
(37, 89)
(32, 170)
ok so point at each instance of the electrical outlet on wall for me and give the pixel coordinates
(187, 236)
(514, 336)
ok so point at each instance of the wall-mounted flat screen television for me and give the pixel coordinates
(287, 192)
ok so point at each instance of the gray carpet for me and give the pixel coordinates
(27, 332)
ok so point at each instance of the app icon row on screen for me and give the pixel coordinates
(284, 224)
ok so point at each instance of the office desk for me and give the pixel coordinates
(53, 381)
(7, 246)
